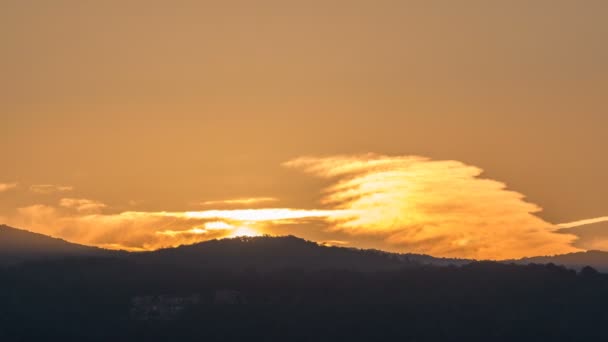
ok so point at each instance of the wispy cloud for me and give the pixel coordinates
(256, 215)
(7, 186)
(137, 230)
(212, 230)
(127, 230)
(82, 205)
(583, 222)
(46, 189)
(239, 201)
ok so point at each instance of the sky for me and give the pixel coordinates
(466, 129)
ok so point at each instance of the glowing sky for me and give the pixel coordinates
(400, 203)
(141, 124)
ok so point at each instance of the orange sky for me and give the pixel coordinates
(117, 107)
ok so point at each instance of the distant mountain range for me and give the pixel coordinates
(257, 253)
(595, 259)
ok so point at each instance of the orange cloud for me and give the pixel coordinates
(435, 207)
(46, 189)
(128, 230)
(404, 203)
(240, 201)
(257, 215)
(150, 230)
(82, 205)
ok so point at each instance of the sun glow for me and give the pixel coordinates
(257, 215)
(244, 231)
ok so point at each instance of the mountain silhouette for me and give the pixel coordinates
(595, 259)
(267, 253)
(17, 245)
(263, 253)
(289, 289)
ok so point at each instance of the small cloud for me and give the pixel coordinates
(7, 186)
(240, 201)
(173, 233)
(218, 225)
(46, 189)
(82, 205)
(583, 222)
(256, 215)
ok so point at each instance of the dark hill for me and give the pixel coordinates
(259, 253)
(237, 254)
(595, 259)
(18, 245)
(272, 253)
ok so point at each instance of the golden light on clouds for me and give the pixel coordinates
(244, 231)
(434, 207)
(405, 203)
(257, 215)
(240, 201)
(82, 204)
(144, 106)
(215, 226)
(218, 225)
(152, 230)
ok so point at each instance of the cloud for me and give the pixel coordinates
(135, 230)
(218, 225)
(240, 201)
(397, 203)
(583, 222)
(435, 207)
(212, 230)
(257, 215)
(195, 231)
(127, 230)
(82, 205)
(7, 186)
(46, 189)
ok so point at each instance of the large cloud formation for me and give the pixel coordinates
(434, 207)
(398, 203)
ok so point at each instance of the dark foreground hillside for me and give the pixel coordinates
(108, 299)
